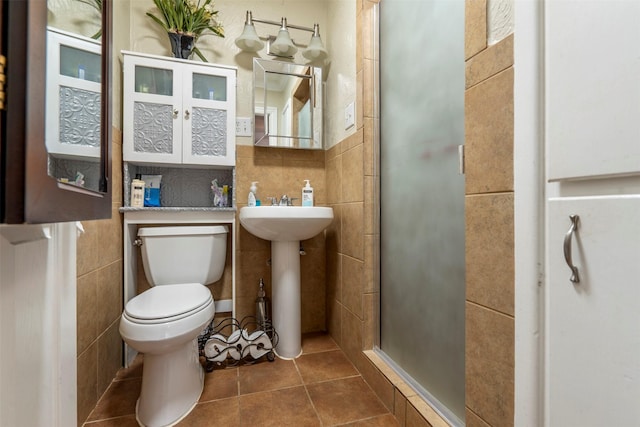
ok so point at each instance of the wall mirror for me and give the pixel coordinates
(287, 102)
(56, 125)
(73, 102)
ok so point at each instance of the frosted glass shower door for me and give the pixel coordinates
(422, 256)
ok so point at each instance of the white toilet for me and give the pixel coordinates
(165, 321)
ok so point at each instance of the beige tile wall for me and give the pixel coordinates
(99, 297)
(489, 230)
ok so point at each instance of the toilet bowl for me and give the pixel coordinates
(164, 322)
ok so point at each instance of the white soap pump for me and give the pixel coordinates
(307, 194)
(252, 194)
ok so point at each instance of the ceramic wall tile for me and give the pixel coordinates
(489, 135)
(489, 251)
(475, 31)
(352, 277)
(352, 230)
(489, 62)
(490, 363)
(352, 174)
(86, 301)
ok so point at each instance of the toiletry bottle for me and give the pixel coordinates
(252, 194)
(307, 194)
(263, 310)
(137, 193)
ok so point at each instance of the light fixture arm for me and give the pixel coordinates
(284, 24)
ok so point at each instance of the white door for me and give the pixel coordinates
(592, 132)
(592, 327)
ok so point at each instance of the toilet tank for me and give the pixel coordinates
(183, 254)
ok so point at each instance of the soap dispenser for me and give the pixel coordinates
(252, 194)
(307, 194)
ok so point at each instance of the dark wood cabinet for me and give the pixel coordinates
(28, 193)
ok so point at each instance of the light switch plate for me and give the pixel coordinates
(243, 126)
(349, 116)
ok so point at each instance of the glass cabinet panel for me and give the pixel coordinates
(79, 63)
(209, 87)
(157, 81)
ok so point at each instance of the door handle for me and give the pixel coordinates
(575, 276)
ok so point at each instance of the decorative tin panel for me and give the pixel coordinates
(209, 132)
(79, 117)
(153, 128)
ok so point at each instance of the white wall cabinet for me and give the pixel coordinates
(592, 136)
(593, 91)
(592, 327)
(73, 100)
(178, 112)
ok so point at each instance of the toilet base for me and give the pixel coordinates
(171, 386)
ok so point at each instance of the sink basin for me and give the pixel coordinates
(285, 223)
(285, 226)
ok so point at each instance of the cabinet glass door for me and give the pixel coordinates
(73, 106)
(80, 64)
(153, 116)
(156, 81)
(209, 138)
(209, 87)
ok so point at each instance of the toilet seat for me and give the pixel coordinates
(167, 303)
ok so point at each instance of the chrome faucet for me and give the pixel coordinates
(284, 200)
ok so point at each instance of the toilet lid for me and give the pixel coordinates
(166, 301)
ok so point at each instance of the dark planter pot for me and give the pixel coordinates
(181, 45)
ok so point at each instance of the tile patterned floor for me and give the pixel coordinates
(320, 388)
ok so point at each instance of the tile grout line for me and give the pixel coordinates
(306, 390)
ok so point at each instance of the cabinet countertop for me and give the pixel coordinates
(176, 209)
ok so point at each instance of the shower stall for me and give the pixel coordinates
(421, 197)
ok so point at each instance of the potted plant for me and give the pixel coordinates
(185, 21)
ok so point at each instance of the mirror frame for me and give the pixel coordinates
(27, 192)
(261, 67)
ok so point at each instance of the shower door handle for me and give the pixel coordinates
(575, 276)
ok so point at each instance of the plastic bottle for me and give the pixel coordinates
(307, 194)
(252, 194)
(262, 308)
(137, 193)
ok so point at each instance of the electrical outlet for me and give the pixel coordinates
(243, 126)
(349, 116)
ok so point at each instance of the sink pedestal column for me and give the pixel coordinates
(285, 294)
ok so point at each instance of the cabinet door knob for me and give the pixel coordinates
(186, 114)
(175, 113)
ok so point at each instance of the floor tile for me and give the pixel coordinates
(220, 384)
(314, 342)
(126, 421)
(387, 420)
(264, 376)
(329, 399)
(264, 394)
(119, 399)
(328, 365)
(218, 413)
(279, 408)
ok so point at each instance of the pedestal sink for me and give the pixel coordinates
(285, 226)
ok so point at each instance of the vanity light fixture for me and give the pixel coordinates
(281, 45)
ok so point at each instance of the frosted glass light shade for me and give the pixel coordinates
(249, 40)
(315, 50)
(283, 46)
